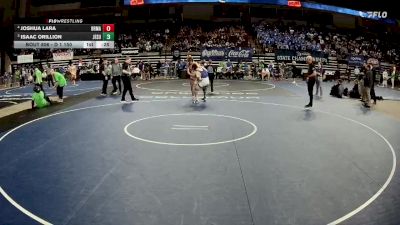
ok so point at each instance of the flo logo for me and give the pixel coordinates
(374, 14)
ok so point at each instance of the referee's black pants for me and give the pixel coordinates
(310, 88)
(115, 80)
(211, 77)
(105, 84)
(127, 87)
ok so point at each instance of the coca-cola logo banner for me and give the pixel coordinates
(234, 54)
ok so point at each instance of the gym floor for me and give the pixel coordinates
(249, 155)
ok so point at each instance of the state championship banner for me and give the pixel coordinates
(59, 56)
(299, 57)
(25, 59)
(233, 54)
(356, 60)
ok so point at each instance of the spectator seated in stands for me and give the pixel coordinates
(148, 40)
(39, 100)
(337, 89)
(340, 45)
(135, 72)
(191, 38)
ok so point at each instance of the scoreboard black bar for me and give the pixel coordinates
(58, 36)
(64, 44)
(59, 28)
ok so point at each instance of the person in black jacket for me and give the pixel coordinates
(372, 91)
(311, 76)
(159, 64)
(367, 85)
(126, 79)
(354, 92)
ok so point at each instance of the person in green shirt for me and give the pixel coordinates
(39, 78)
(61, 82)
(39, 100)
(19, 77)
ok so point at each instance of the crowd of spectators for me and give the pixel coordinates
(307, 38)
(145, 40)
(273, 37)
(194, 38)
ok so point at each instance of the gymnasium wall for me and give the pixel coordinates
(344, 21)
(198, 12)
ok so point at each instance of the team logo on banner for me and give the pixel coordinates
(213, 53)
(356, 60)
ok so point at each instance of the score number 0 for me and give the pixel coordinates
(108, 27)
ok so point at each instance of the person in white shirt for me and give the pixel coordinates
(385, 77)
(265, 73)
(356, 71)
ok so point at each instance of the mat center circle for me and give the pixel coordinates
(190, 129)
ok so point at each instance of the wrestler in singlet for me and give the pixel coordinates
(193, 78)
(204, 82)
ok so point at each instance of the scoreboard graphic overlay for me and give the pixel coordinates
(64, 36)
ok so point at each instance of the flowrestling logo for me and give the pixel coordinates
(64, 21)
(374, 14)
